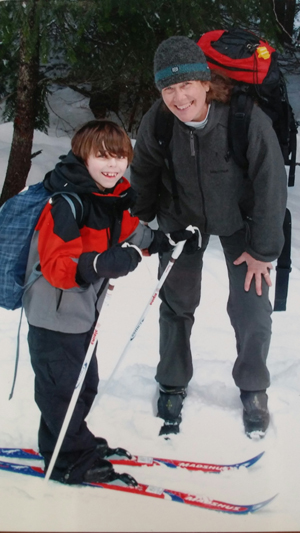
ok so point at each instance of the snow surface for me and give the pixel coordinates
(212, 429)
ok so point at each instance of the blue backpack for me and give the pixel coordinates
(18, 218)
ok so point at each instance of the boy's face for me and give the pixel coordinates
(187, 100)
(106, 169)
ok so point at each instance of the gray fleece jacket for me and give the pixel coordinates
(214, 193)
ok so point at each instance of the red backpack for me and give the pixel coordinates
(253, 64)
(239, 54)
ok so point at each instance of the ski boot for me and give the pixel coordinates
(104, 451)
(255, 414)
(169, 407)
(102, 471)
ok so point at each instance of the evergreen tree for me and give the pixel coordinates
(104, 50)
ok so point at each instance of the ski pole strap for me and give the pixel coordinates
(180, 244)
(128, 245)
(283, 266)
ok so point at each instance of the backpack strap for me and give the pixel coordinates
(293, 149)
(239, 119)
(241, 106)
(163, 131)
(283, 266)
(66, 196)
(17, 356)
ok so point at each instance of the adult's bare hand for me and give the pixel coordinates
(256, 269)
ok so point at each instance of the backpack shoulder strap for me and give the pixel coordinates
(241, 106)
(164, 122)
(72, 204)
(283, 267)
(163, 131)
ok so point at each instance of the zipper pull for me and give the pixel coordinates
(192, 144)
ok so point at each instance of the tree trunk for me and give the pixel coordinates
(20, 154)
(289, 18)
(285, 11)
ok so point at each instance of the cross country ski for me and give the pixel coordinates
(139, 460)
(149, 490)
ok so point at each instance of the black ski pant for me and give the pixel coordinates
(250, 316)
(57, 359)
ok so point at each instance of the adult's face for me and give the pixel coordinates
(187, 100)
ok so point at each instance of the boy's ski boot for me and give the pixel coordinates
(102, 471)
(169, 407)
(256, 415)
(106, 452)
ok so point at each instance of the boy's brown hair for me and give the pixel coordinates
(90, 138)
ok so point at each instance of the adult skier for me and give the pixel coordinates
(210, 191)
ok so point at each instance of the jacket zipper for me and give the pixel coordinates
(194, 143)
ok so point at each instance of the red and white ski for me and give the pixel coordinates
(151, 491)
(138, 460)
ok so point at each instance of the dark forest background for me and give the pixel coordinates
(103, 49)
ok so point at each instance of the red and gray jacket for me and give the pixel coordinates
(56, 300)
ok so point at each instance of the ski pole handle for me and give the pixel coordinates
(180, 245)
(177, 250)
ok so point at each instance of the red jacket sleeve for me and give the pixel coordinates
(129, 224)
(59, 247)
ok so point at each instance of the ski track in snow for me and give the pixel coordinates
(125, 414)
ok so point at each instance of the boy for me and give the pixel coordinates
(73, 257)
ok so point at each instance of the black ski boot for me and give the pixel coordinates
(255, 414)
(102, 472)
(169, 407)
(105, 451)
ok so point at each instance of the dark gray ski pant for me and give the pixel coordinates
(250, 316)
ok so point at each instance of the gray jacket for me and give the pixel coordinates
(214, 193)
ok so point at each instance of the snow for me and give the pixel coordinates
(125, 412)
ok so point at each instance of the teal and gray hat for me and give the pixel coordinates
(179, 59)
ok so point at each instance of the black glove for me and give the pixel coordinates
(160, 243)
(113, 263)
(193, 239)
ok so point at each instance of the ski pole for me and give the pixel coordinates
(78, 386)
(175, 254)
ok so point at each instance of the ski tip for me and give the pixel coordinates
(253, 460)
(257, 506)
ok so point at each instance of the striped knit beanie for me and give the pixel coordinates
(179, 59)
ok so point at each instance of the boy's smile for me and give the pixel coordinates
(106, 169)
